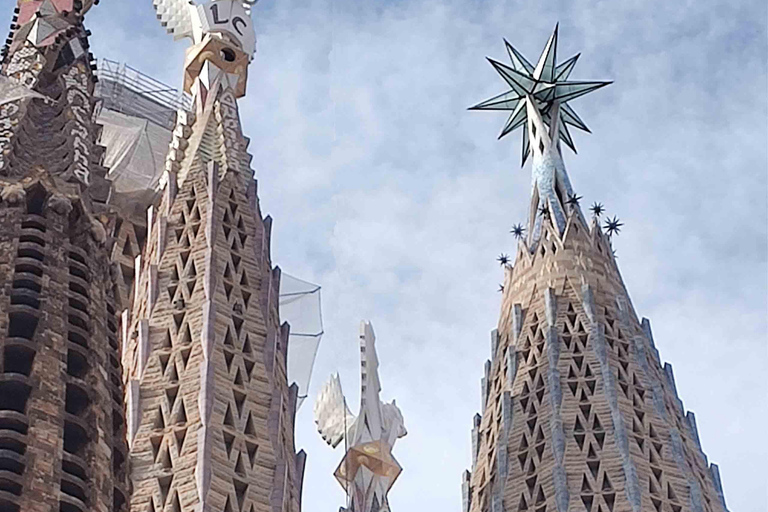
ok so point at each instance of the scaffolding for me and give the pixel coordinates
(124, 89)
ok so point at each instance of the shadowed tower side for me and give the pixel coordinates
(62, 428)
(578, 414)
(210, 412)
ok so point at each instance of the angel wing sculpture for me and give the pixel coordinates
(368, 470)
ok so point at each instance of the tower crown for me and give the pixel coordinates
(538, 101)
(224, 41)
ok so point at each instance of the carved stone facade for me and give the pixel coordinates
(62, 426)
(578, 411)
(142, 360)
(210, 412)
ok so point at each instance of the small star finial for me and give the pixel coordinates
(503, 259)
(518, 231)
(573, 200)
(544, 211)
(613, 226)
(597, 209)
(501, 288)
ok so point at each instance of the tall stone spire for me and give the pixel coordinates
(62, 427)
(578, 412)
(210, 411)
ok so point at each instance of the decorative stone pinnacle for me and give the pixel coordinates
(538, 100)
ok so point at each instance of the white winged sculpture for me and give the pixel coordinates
(368, 470)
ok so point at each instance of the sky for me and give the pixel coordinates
(386, 191)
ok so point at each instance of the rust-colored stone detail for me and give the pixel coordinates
(62, 423)
(62, 444)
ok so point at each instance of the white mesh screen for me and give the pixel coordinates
(300, 307)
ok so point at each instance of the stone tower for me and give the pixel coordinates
(62, 428)
(578, 412)
(210, 412)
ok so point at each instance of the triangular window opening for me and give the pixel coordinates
(127, 249)
(250, 430)
(180, 435)
(241, 488)
(181, 415)
(252, 449)
(228, 421)
(229, 439)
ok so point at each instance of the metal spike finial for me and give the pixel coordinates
(573, 200)
(518, 231)
(613, 226)
(503, 259)
(597, 209)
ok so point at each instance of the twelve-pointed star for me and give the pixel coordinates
(503, 259)
(597, 209)
(613, 226)
(518, 230)
(543, 85)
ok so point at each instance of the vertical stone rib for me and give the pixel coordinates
(144, 346)
(694, 429)
(466, 495)
(485, 386)
(697, 499)
(133, 407)
(597, 337)
(562, 495)
(494, 342)
(502, 455)
(715, 472)
(517, 321)
(208, 340)
(657, 393)
(475, 438)
(512, 360)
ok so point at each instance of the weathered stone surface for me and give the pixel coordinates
(62, 421)
(594, 422)
(216, 430)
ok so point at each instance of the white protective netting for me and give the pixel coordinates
(136, 150)
(135, 156)
(300, 307)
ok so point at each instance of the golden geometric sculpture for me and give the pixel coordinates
(368, 469)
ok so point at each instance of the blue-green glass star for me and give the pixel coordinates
(543, 84)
